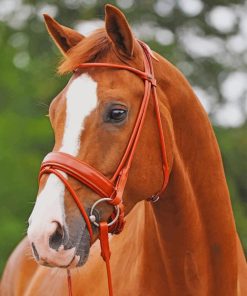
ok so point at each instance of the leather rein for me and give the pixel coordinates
(110, 190)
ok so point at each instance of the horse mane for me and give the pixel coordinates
(90, 49)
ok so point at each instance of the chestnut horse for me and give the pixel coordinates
(185, 243)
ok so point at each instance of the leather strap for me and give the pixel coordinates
(69, 282)
(105, 252)
(73, 194)
(80, 170)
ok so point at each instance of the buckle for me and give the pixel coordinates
(153, 198)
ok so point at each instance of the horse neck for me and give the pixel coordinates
(194, 217)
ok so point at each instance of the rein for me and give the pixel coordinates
(110, 190)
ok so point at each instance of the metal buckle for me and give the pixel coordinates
(93, 218)
(153, 198)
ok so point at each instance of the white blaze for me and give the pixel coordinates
(81, 100)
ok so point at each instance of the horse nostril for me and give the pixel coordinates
(56, 239)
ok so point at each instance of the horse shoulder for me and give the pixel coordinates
(18, 271)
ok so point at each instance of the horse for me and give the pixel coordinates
(183, 242)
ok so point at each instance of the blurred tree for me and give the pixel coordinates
(205, 39)
(233, 144)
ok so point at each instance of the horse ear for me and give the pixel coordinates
(119, 31)
(65, 38)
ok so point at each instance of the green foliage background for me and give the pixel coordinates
(26, 90)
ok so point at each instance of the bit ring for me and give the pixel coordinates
(93, 218)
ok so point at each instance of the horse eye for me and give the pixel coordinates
(117, 115)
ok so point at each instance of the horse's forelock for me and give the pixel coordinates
(88, 50)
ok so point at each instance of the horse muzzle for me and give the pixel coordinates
(54, 245)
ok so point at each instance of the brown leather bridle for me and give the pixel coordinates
(110, 190)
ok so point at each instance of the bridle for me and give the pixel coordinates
(110, 190)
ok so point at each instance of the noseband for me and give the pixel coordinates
(110, 190)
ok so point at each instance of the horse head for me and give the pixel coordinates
(93, 118)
